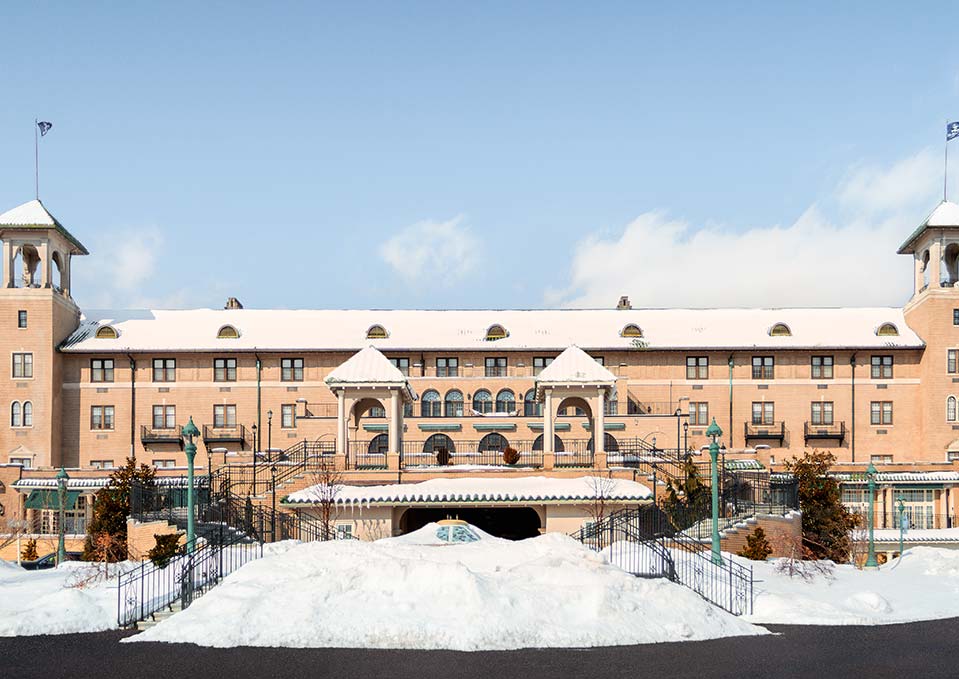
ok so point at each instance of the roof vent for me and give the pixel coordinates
(624, 303)
(233, 303)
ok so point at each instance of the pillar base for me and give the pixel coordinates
(549, 461)
(339, 462)
(393, 462)
(599, 461)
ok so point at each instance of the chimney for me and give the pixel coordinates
(624, 303)
(233, 303)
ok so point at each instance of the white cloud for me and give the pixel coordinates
(440, 250)
(845, 258)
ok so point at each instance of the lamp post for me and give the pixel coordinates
(188, 432)
(253, 492)
(62, 479)
(713, 432)
(685, 436)
(871, 557)
(901, 506)
(269, 432)
(273, 513)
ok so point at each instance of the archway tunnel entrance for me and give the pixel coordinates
(512, 523)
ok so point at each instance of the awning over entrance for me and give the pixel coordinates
(50, 499)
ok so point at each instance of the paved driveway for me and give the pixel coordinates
(927, 649)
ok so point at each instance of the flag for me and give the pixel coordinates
(952, 131)
(45, 127)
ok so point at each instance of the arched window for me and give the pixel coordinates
(454, 403)
(227, 332)
(780, 330)
(530, 407)
(610, 444)
(631, 330)
(15, 411)
(483, 401)
(951, 414)
(379, 445)
(557, 444)
(430, 404)
(887, 330)
(493, 443)
(437, 443)
(505, 401)
(107, 332)
(27, 414)
(496, 332)
(377, 332)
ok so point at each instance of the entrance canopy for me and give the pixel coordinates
(574, 368)
(50, 499)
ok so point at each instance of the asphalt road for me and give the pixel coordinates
(926, 649)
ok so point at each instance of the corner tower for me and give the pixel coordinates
(37, 313)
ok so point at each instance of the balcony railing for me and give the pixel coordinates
(770, 430)
(835, 431)
(234, 434)
(154, 435)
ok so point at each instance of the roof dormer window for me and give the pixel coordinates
(887, 330)
(631, 330)
(107, 332)
(496, 332)
(377, 332)
(780, 330)
(228, 332)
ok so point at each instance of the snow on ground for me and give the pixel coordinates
(492, 594)
(923, 586)
(53, 602)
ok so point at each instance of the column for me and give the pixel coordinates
(393, 452)
(340, 423)
(65, 275)
(549, 454)
(935, 263)
(599, 431)
(919, 275)
(7, 265)
(46, 280)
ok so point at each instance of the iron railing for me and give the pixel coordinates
(160, 435)
(836, 431)
(232, 434)
(770, 430)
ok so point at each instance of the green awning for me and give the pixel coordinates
(50, 499)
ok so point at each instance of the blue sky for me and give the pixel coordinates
(482, 155)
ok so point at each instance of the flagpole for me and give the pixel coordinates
(36, 158)
(945, 165)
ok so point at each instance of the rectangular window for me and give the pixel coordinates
(224, 370)
(22, 318)
(540, 362)
(697, 367)
(880, 412)
(496, 366)
(164, 417)
(101, 464)
(101, 370)
(402, 364)
(447, 367)
(881, 367)
(763, 367)
(22, 461)
(951, 363)
(881, 459)
(287, 416)
(23, 365)
(291, 369)
(822, 367)
(698, 413)
(763, 412)
(344, 531)
(164, 370)
(822, 412)
(164, 464)
(955, 316)
(600, 359)
(224, 416)
(101, 417)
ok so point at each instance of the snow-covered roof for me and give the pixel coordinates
(899, 477)
(575, 366)
(546, 330)
(918, 535)
(369, 367)
(33, 215)
(945, 215)
(95, 483)
(473, 489)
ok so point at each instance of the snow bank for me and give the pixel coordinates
(924, 585)
(548, 591)
(51, 602)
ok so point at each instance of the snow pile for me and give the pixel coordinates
(548, 591)
(924, 585)
(53, 602)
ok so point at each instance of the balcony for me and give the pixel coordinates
(765, 431)
(833, 431)
(153, 436)
(234, 434)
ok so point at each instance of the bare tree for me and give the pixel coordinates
(602, 490)
(327, 485)
(797, 559)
